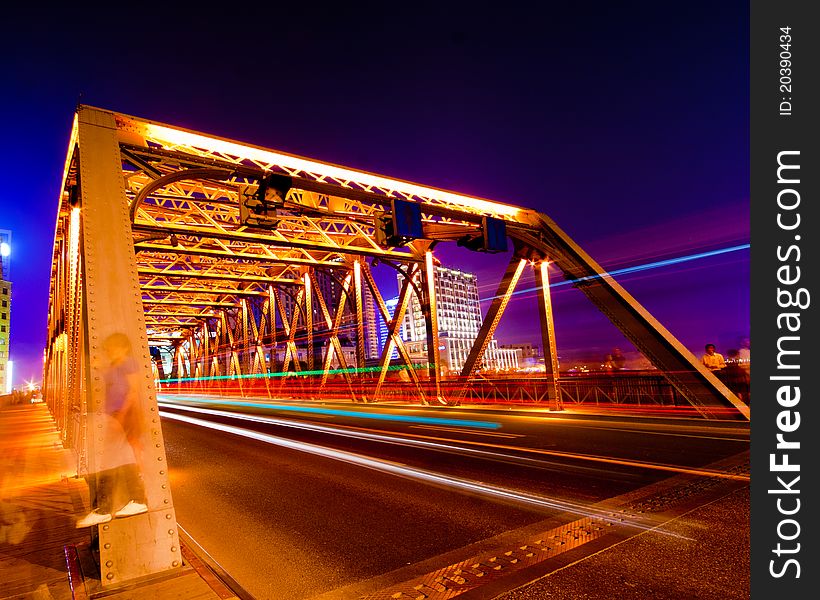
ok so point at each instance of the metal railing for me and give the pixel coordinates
(628, 388)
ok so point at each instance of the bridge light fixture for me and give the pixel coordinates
(171, 136)
(401, 226)
(493, 237)
(259, 208)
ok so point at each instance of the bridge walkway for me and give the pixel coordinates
(40, 501)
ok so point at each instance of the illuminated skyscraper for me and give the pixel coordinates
(391, 308)
(459, 320)
(5, 309)
(329, 284)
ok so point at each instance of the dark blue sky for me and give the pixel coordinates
(626, 123)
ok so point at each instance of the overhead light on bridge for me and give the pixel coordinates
(493, 238)
(259, 208)
(403, 225)
(273, 189)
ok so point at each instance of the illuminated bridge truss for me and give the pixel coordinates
(151, 242)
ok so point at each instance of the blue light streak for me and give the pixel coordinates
(430, 477)
(658, 264)
(637, 268)
(339, 412)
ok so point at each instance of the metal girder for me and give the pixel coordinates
(321, 243)
(338, 198)
(112, 308)
(181, 291)
(189, 302)
(428, 276)
(496, 310)
(263, 257)
(542, 284)
(218, 152)
(697, 384)
(358, 300)
(309, 320)
(393, 339)
(187, 274)
(334, 345)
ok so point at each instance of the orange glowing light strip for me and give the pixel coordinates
(187, 138)
(72, 141)
(74, 238)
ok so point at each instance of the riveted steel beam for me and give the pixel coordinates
(496, 310)
(148, 543)
(697, 384)
(542, 284)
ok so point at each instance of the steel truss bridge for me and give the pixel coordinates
(246, 263)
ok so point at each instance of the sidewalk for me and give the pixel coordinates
(40, 500)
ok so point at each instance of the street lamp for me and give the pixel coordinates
(5, 249)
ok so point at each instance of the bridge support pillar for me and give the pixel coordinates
(116, 356)
(494, 313)
(542, 283)
(431, 324)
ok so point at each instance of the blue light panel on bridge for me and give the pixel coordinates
(494, 235)
(404, 224)
(334, 411)
(407, 219)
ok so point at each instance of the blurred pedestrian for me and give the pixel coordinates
(117, 481)
(744, 354)
(736, 377)
(618, 359)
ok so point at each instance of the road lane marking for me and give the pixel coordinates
(451, 429)
(318, 410)
(688, 435)
(436, 443)
(416, 473)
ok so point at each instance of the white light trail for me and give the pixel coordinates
(357, 433)
(400, 470)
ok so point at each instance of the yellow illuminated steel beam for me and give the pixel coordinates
(393, 339)
(176, 138)
(430, 309)
(494, 313)
(148, 543)
(542, 283)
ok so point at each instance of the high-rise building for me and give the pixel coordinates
(391, 309)
(5, 309)
(459, 321)
(329, 284)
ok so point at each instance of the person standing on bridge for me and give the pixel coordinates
(118, 481)
(618, 360)
(713, 360)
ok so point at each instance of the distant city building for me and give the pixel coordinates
(459, 321)
(527, 350)
(329, 284)
(391, 308)
(5, 310)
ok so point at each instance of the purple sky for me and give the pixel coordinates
(626, 124)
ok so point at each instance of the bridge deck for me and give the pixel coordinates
(40, 500)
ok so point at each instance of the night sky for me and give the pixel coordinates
(626, 123)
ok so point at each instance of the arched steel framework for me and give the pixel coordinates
(150, 242)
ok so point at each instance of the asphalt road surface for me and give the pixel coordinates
(295, 501)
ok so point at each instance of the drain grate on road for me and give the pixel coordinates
(630, 510)
(664, 500)
(461, 577)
